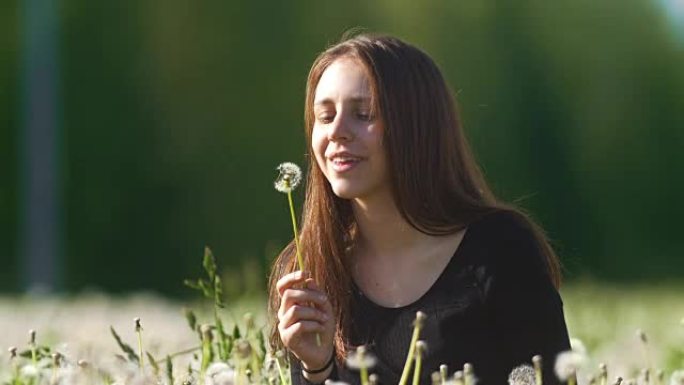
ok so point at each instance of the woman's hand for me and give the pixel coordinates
(304, 312)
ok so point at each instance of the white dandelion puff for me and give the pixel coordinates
(522, 375)
(568, 363)
(331, 382)
(677, 377)
(361, 359)
(289, 177)
(219, 373)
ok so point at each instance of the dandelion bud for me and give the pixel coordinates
(537, 361)
(420, 319)
(421, 348)
(249, 320)
(205, 329)
(12, 351)
(467, 368)
(443, 373)
(138, 327)
(618, 380)
(646, 375)
(436, 378)
(458, 378)
(244, 349)
(373, 379)
(32, 336)
(642, 336)
(56, 358)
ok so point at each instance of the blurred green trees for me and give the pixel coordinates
(175, 116)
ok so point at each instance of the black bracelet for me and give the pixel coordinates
(324, 368)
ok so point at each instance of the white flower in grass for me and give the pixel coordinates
(219, 373)
(568, 363)
(677, 377)
(331, 382)
(578, 346)
(361, 359)
(289, 178)
(30, 370)
(522, 375)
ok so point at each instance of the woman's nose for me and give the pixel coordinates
(340, 131)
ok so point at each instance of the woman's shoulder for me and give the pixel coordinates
(506, 239)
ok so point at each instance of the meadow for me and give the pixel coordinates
(626, 327)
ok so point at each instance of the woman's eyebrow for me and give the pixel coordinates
(355, 99)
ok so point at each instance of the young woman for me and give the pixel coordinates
(398, 218)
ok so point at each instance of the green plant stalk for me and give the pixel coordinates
(363, 369)
(409, 357)
(206, 357)
(281, 373)
(416, 372)
(538, 376)
(300, 260)
(571, 380)
(222, 345)
(140, 347)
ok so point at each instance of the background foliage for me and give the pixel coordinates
(173, 118)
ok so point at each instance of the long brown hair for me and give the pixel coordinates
(436, 183)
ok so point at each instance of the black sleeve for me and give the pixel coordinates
(524, 306)
(297, 376)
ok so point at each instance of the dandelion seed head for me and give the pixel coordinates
(467, 368)
(32, 336)
(677, 377)
(12, 351)
(522, 375)
(289, 177)
(138, 327)
(360, 359)
(30, 371)
(219, 373)
(331, 382)
(577, 345)
(568, 363)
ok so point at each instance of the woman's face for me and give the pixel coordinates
(346, 139)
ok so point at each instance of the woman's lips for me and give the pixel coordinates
(344, 164)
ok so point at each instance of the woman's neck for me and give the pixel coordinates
(382, 229)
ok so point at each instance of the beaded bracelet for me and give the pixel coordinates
(323, 369)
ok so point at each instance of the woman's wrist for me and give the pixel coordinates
(319, 374)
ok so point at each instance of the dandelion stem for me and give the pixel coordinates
(412, 348)
(300, 261)
(138, 331)
(416, 371)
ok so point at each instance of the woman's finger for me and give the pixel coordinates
(305, 297)
(293, 334)
(290, 279)
(325, 305)
(299, 313)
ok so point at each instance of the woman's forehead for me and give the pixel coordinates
(344, 79)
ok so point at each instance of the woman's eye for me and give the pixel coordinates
(364, 116)
(325, 118)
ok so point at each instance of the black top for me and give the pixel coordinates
(494, 306)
